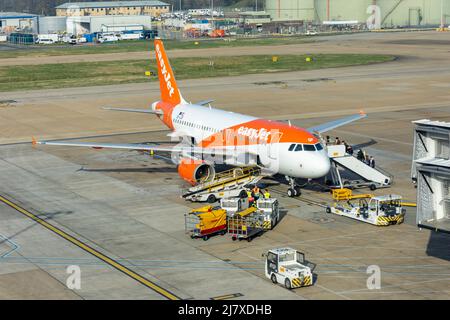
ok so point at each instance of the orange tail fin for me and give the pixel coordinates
(167, 83)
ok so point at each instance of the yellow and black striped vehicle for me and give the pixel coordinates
(289, 267)
(380, 210)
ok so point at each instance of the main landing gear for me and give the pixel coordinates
(294, 190)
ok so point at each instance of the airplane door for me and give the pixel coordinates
(273, 145)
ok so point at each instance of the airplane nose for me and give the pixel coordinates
(321, 166)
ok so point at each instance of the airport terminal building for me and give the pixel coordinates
(431, 171)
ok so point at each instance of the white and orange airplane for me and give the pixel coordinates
(211, 136)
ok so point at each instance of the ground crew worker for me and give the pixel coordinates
(266, 194)
(256, 193)
(250, 197)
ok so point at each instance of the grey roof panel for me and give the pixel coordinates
(109, 4)
(10, 15)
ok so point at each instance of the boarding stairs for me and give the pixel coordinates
(372, 177)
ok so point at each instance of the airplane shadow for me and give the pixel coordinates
(130, 170)
(369, 143)
(439, 245)
(44, 216)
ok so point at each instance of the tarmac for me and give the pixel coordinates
(126, 206)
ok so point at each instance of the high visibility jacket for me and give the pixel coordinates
(249, 194)
(267, 195)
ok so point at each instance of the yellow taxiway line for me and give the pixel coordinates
(165, 293)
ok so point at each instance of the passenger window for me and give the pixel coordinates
(309, 147)
(291, 147)
(319, 146)
(299, 147)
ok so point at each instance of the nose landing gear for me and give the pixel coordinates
(294, 190)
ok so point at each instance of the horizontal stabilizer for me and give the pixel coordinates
(203, 102)
(158, 112)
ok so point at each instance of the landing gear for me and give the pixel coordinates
(294, 190)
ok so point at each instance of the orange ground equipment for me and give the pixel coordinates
(205, 222)
(217, 33)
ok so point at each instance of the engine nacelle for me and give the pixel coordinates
(195, 171)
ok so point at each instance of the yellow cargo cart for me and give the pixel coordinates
(205, 222)
(246, 224)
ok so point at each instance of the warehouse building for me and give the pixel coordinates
(17, 22)
(115, 8)
(431, 172)
(392, 13)
(91, 24)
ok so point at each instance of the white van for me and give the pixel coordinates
(130, 36)
(45, 41)
(107, 37)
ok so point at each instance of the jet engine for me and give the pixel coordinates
(195, 171)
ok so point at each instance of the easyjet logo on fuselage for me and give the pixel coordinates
(254, 134)
(165, 74)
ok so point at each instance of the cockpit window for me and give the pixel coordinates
(309, 147)
(291, 147)
(299, 147)
(319, 146)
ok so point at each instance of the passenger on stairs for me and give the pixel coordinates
(372, 162)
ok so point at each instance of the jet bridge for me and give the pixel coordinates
(370, 177)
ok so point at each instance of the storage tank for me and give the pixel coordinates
(342, 10)
(295, 10)
(413, 12)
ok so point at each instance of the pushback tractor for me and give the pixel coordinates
(289, 267)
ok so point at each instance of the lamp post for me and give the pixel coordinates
(212, 14)
(442, 14)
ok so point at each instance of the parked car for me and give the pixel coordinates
(45, 41)
(311, 33)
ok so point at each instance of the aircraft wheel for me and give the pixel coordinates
(291, 193)
(298, 191)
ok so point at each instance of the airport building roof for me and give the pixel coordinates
(16, 15)
(110, 4)
(427, 122)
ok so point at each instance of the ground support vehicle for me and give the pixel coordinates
(289, 267)
(380, 210)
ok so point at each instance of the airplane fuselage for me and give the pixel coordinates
(284, 148)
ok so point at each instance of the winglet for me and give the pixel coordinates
(33, 141)
(361, 112)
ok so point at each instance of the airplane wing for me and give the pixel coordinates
(140, 147)
(336, 123)
(157, 112)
